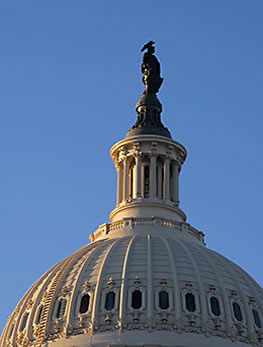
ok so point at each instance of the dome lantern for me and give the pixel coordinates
(148, 161)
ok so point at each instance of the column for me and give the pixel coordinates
(137, 176)
(175, 169)
(160, 181)
(153, 182)
(125, 179)
(119, 183)
(131, 183)
(166, 183)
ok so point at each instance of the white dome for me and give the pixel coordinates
(147, 278)
(143, 263)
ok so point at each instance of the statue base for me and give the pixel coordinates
(148, 121)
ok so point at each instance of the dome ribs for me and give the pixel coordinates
(51, 294)
(177, 301)
(149, 283)
(94, 324)
(43, 325)
(124, 280)
(227, 312)
(203, 306)
(247, 322)
(73, 298)
(22, 305)
(251, 283)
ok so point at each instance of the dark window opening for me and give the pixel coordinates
(163, 300)
(146, 181)
(237, 311)
(84, 304)
(136, 299)
(23, 325)
(110, 301)
(256, 318)
(131, 182)
(215, 308)
(61, 308)
(39, 314)
(190, 302)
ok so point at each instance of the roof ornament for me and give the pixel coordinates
(151, 70)
(149, 107)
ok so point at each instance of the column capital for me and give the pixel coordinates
(137, 146)
(138, 154)
(167, 158)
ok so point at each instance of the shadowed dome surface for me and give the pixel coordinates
(140, 276)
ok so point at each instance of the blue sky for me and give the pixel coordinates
(69, 82)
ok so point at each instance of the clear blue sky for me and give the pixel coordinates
(69, 81)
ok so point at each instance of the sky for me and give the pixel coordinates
(69, 82)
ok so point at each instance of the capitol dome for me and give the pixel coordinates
(146, 278)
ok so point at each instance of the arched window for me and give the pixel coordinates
(61, 308)
(215, 307)
(136, 299)
(256, 318)
(84, 304)
(23, 325)
(163, 300)
(237, 311)
(39, 314)
(146, 181)
(109, 301)
(190, 302)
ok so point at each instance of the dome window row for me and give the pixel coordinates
(136, 301)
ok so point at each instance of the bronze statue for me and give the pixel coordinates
(149, 108)
(151, 70)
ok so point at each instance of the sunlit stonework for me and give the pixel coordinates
(146, 278)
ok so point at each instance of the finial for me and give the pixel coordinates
(151, 70)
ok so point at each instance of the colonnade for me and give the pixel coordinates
(148, 177)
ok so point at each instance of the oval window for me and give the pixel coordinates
(215, 308)
(39, 314)
(109, 301)
(136, 299)
(163, 300)
(190, 302)
(23, 325)
(256, 318)
(237, 311)
(84, 304)
(61, 308)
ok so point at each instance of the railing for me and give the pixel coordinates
(130, 223)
